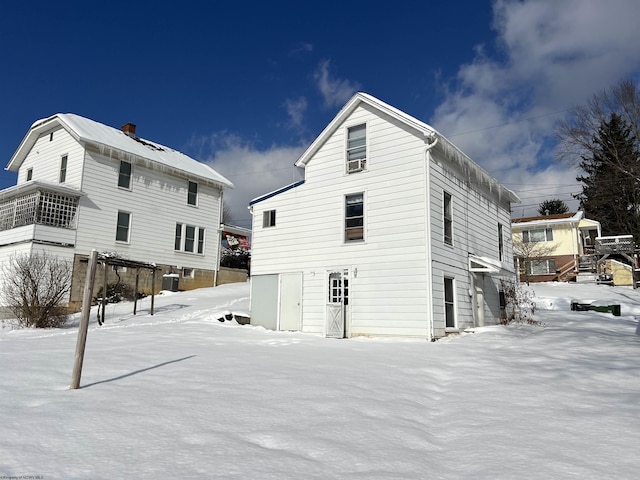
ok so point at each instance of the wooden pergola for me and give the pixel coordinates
(110, 260)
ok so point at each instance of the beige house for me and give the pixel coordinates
(554, 247)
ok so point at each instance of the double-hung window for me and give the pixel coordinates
(123, 226)
(354, 217)
(192, 195)
(356, 148)
(539, 235)
(189, 238)
(540, 267)
(124, 175)
(449, 303)
(63, 169)
(500, 243)
(448, 218)
(268, 218)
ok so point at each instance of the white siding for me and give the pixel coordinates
(309, 232)
(476, 214)
(156, 203)
(45, 157)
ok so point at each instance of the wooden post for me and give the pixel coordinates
(104, 291)
(153, 287)
(135, 293)
(84, 319)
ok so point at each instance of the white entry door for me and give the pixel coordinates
(290, 301)
(337, 304)
(479, 304)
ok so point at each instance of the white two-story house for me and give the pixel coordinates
(394, 231)
(83, 185)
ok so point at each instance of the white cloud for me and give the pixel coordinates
(300, 48)
(296, 109)
(557, 54)
(254, 172)
(335, 91)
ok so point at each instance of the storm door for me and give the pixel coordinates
(338, 301)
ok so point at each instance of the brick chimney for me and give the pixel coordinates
(129, 129)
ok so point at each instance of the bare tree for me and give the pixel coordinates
(34, 289)
(227, 218)
(576, 132)
(530, 251)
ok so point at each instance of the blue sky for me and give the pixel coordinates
(246, 86)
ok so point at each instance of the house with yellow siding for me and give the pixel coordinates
(554, 247)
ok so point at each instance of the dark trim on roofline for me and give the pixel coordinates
(276, 192)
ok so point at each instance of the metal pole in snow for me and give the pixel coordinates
(84, 319)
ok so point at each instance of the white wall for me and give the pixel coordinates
(156, 203)
(388, 292)
(46, 155)
(476, 214)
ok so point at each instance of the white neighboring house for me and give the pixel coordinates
(84, 185)
(394, 231)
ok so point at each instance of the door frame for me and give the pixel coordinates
(337, 300)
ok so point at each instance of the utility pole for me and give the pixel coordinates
(84, 319)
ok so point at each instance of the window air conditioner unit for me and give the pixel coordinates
(356, 165)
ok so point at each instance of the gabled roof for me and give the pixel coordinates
(103, 137)
(429, 134)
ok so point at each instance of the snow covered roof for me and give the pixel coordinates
(451, 152)
(106, 138)
(36, 185)
(541, 220)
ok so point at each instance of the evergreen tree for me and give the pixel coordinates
(611, 186)
(552, 207)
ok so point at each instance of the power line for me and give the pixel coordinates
(526, 119)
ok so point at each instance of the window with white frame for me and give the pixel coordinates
(500, 243)
(63, 169)
(192, 195)
(449, 303)
(539, 235)
(124, 175)
(188, 272)
(356, 148)
(354, 217)
(447, 216)
(189, 238)
(268, 218)
(29, 174)
(540, 267)
(123, 226)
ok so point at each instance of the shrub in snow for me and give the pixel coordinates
(519, 304)
(34, 289)
(235, 258)
(117, 292)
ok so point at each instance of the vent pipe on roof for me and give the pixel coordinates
(129, 129)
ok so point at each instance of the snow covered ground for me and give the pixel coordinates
(182, 395)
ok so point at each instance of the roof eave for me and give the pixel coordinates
(347, 109)
(30, 138)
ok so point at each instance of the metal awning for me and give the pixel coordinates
(484, 265)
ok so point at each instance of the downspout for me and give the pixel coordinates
(427, 228)
(219, 244)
